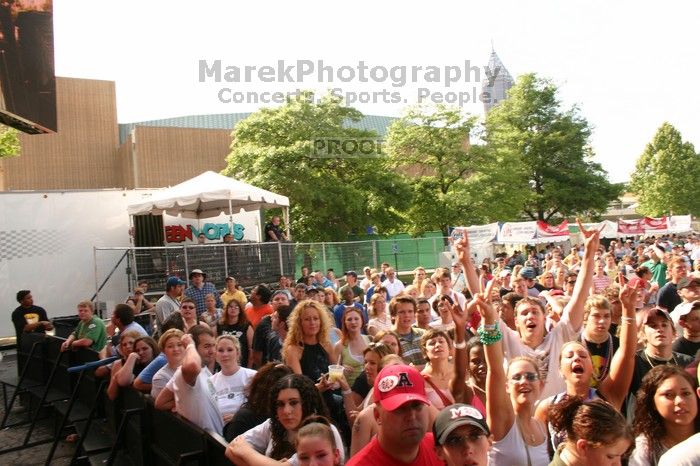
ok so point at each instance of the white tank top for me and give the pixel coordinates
(510, 450)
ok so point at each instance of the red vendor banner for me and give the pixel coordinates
(654, 224)
(630, 227)
(545, 230)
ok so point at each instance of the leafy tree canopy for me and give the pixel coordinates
(547, 153)
(9, 142)
(333, 174)
(667, 175)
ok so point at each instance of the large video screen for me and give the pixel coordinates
(27, 79)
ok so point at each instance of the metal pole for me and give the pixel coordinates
(374, 253)
(97, 280)
(279, 252)
(187, 265)
(323, 249)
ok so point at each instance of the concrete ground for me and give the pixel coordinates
(14, 436)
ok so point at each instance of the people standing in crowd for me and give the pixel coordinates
(596, 433)
(28, 318)
(666, 413)
(436, 346)
(656, 263)
(511, 397)
(190, 319)
(315, 443)
(189, 390)
(375, 286)
(137, 352)
(170, 301)
(211, 314)
(232, 292)
(171, 345)
(292, 399)
(378, 316)
(349, 350)
(307, 349)
(198, 290)
(687, 317)
(259, 305)
(393, 285)
(273, 230)
(462, 436)
(230, 382)
(668, 297)
(235, 322)
(424, 314)
(403, 311)
(351, 282)
(403, 420)
(533, 341)
(90, 332)
(262, 332)
(348, 302)
(257, 408)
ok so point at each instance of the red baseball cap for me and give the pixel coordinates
(397, 384)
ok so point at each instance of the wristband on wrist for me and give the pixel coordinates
(461, 345)
(346, 392)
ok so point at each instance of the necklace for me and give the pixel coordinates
(673, 358)
(474, 385)
(530, 438)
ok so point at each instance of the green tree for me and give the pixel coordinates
(333, 190)
(667, 175)
(430, 149)
(9, 142)
(549, 147)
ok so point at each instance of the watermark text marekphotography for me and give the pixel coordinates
(346, 148)
(393, 82)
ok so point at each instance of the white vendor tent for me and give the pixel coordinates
(209, 195)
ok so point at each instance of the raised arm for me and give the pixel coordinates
(499, 410)
(615, 386)
(574, 307)
(460, 391)
(192, 362)
(463, 253)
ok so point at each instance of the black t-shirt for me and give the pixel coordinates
(244, 420)
(274, 229)
(260, 337)
(274, 347)
(19, 319)
(361, 386)
(239, 331)
(668, 297)
(601, 355)
(685, 346)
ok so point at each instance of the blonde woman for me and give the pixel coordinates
(307, 348)
(378, 316)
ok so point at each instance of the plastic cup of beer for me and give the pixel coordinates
(335, 373)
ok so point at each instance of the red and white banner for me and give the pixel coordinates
(655, 224)
(630, 227)
(544, 230)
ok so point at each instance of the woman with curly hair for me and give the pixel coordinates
(666, 413)
(257, 407)
(596, 433)
(293, 398)
(307, 348)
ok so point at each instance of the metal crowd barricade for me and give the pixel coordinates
(253, 263)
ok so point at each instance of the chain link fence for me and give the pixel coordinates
(254, 263)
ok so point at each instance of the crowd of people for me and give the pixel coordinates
(546, 357)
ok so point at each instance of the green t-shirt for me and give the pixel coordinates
(658, 272)
(94, 330)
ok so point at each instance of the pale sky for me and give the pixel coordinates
(628, 65)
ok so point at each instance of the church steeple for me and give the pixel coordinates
(497, 81)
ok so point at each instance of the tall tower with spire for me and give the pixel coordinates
(496, 82)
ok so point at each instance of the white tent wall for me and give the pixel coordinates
(47, 242)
